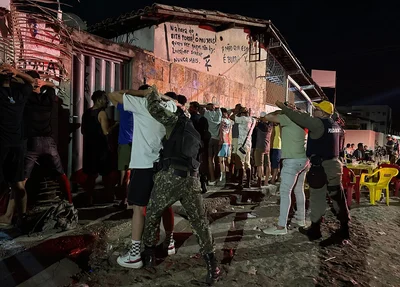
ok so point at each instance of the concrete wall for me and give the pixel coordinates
(223, 54)
(5, 4)
(203, 65)
(201, 86)
(369, 138)
(143, 38)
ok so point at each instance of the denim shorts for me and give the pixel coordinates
(275, 158)
(224, 151)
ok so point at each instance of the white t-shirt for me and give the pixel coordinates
(147, 133)
(246, 127)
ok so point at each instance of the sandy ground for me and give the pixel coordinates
(250, 258)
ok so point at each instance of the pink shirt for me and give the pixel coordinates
(225, 133)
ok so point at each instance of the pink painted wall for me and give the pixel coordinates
(369, 138)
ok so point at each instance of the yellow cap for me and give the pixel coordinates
(325, 106)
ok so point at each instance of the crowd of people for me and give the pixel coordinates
(169, 153)
(206, 145)
(362, 153)
(26, 104)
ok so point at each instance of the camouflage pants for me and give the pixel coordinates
(169, 188)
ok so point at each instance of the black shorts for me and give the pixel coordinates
(12, 163)
(140, 186)
(44, 148)
(96, 160)
(213, 148)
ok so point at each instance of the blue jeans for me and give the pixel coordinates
(293, 175)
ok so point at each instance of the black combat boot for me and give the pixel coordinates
(240, 179)
(342, 213)
(313, 232)
(203, 181)
(213, 272)
(248, 178)
(149, 257)
(344, 230)
(338, 237)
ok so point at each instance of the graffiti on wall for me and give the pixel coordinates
(48, 69)
(37, 47)
(188, 46)
(219, 53)
(233, 53)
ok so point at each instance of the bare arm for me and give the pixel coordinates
(115, 98)
(214, 118)
(27, 79)
(272, 134)
(139, 93)
(273, 118)
(118, 96)
(42, 83)
(105, 124)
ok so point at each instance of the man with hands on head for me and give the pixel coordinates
(13, 98)
(323, 148)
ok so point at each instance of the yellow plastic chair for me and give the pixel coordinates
(375, 188)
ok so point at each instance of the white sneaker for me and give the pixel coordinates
(171, 247)
(129, 260)
(212, 183)
(221, 182)
(274, 231)
(300, 223)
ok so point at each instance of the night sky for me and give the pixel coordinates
(360, 41)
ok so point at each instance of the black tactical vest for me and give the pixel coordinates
(327, 146)
(182, 146)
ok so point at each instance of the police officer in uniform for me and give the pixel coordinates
(178, 180)
(323, 147)
(336, 117)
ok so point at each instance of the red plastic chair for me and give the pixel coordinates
(350, 185)
(395, 180)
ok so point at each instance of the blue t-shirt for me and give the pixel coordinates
(125, 125)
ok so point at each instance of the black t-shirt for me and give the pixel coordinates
(12, 104)
(37, 114)
(254, 136)
(93, 137)
(201, 125)
(390, 147)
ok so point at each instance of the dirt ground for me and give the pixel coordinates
(250, 258)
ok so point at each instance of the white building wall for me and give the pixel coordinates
(143, 39)
(224, 54)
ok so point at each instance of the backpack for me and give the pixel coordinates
(182, 146)
(62, 217)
